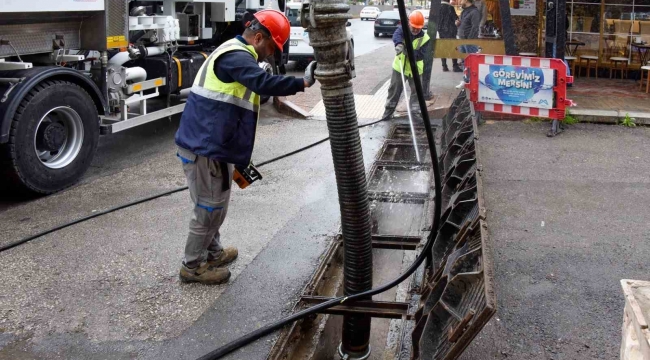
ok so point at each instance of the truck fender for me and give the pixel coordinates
(12, 93)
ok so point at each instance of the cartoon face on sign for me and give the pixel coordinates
(514, 85)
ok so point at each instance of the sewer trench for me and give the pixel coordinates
(443, 306)
(399, 189)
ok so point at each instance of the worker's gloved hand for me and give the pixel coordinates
(309, 74)
(399, 49)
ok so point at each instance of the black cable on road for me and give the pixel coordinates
(311, 145)
(250, 337)
(153, 197)
(86, 218)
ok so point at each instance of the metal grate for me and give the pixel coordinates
(400, 192)
(458, 297)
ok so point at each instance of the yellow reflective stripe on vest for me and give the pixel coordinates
(229, 45)
(230, 99)
(209, 86)
(400, 60)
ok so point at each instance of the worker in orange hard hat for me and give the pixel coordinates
(401, 64)
(217, 134)
(274, 25)
(416, 20)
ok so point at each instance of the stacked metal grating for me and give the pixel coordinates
(458, 296)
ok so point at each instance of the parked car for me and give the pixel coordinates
(299, 48)
(425, 13)
(386, 23)
(369, 12)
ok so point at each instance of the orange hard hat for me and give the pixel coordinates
(416, 20)
(276, 23)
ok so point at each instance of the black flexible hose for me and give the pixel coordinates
(250, 337)
(153, 197)
(354, 204)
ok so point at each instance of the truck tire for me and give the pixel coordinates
(53, 138)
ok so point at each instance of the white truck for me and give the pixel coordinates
(71, 70)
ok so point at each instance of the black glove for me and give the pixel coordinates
(399, 49)
(309, 73)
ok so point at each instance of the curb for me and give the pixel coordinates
(594, 116)
(286, 107)
(610, 116)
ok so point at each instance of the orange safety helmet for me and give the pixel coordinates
(416, 20)
(276, 23)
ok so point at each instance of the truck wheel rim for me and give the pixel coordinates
(58, 137)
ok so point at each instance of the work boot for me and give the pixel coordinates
(226, 256)
(204, 274)
(457, 68)
(445, 68)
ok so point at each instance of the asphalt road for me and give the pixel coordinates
(109, 286)
(364, 38)
(568, 219)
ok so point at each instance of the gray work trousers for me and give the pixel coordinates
(205, 180)
(395, 92)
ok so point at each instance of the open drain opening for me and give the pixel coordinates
(400, 192)
(400, 179)
(403, 152)
(443, 307)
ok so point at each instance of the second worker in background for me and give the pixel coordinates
(401, 64)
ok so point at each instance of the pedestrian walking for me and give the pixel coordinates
(217, 133)
(401, 64)
(448, 30)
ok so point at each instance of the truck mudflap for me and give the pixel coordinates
(15, 84)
